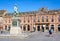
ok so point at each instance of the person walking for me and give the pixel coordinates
(50, 32)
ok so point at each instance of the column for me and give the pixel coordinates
(22, 28)
(30, 27)
(55, 28)
(26, 28)
(7, 27)
(40, 27)
(4, 27)
(44, 26)
(49, 26)
(36, 28)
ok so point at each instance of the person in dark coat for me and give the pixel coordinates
(50, 32)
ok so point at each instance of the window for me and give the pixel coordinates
(59, 18)
(28, 19)
(52, 19)
(46, 18)
(42, 19)
(38, 18)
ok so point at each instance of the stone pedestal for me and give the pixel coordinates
(15, 27)
(15, 31)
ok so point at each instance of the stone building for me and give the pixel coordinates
(42, 19)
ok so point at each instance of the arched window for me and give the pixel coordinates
(28, 19)
(52, 19)
(46, 18)
(42, 19)
(38, 18)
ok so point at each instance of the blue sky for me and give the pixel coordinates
(29, 5)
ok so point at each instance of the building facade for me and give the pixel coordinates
(43, 20)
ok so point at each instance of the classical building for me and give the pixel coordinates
(42, 20)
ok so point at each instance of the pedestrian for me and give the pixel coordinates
(50, 32)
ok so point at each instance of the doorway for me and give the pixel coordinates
(47, 28)
(58, 27)
(52, 27)
(24, 28)
(28, 27)
(38, 28)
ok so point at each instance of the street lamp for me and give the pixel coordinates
(43, 25)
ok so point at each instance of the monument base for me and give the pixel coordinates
(15, 31)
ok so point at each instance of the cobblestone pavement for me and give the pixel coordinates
(35, 36)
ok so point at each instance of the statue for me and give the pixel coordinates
(15, 28)
(15, 11)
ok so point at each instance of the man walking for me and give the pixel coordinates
(50, 32)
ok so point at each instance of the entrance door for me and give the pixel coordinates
(58, 27)
(52, 27)
(47, 28)
(24, 28)
(28, 28)
(38, 28)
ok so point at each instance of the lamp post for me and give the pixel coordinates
(43, 25)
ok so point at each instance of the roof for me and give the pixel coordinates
(2, 12)
(21, 13)
(44, 10)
